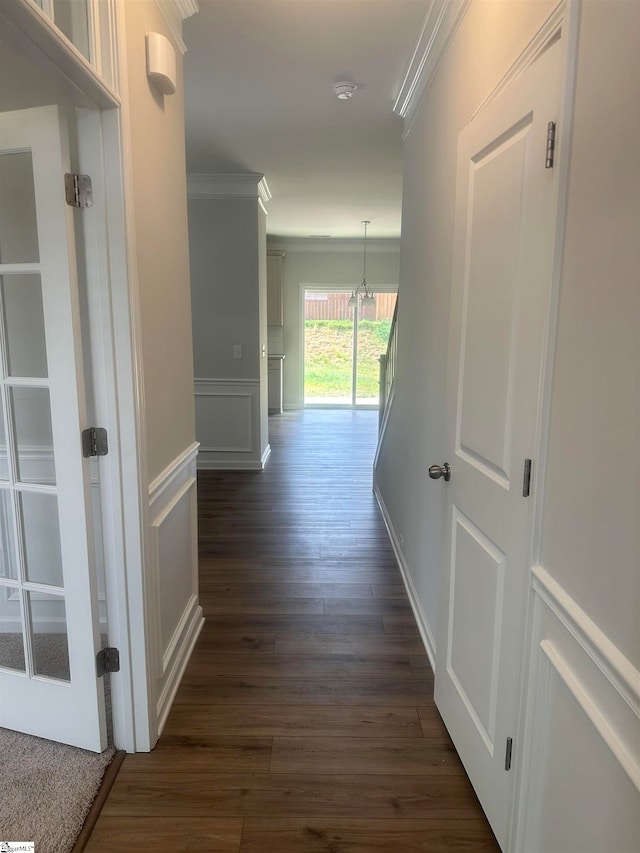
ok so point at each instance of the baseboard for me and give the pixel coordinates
(423, 626)
(265, 456)
(229, 465)
(183, 649)
(292, 407)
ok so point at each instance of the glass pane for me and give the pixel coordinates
(41, 529)
(374, 325)
(34, 439)
(70, 16)
(328, 348)
(24, 325)
(18, 227)
(8, 565)
(4, 465)
(11, 643)
(49, 635)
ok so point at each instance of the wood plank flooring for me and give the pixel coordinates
(305, 721)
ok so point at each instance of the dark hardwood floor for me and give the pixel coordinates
(305, 721)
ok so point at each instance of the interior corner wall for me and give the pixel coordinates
(489, 38)
(161, 244)
(262, 335)
(330, 268)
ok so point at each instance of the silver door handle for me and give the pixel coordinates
(437, 471)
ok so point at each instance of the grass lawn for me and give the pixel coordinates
(328, 354)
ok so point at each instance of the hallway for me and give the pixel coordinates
(305, 721)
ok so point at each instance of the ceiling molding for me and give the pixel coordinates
(382, 245)
(243, 185)
(174, 13)
(441, 21)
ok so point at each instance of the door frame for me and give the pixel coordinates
(115, 346)
(566, 19)
(336, 288)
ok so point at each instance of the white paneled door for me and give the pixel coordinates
(49, 626)
(504, 241)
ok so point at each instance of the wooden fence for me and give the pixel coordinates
(335, 306)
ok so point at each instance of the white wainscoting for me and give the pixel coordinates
(228, 424)
(423, 626)
(580, 778)
(173, 576)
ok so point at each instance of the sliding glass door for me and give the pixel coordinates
(342, 346)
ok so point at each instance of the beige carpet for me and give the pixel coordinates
(46, 790)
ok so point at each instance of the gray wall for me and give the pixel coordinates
(576, 759)
(223, 246)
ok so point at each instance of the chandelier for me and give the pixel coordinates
(362, 290)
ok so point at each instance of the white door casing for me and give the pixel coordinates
(502, 273)
(37, 700)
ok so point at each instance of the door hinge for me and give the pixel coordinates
(507, 755)
(107, 660)
(94, 442)
(77, 190)
(526, 480)
(551, 145)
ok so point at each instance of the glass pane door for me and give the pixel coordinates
(342, 347)
(49, 625)
(328, 348)
(374, 325)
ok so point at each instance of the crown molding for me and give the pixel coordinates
(381, 245)
(243, 185)
(441, 21)
(174, 13)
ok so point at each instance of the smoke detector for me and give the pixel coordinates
(344, 90)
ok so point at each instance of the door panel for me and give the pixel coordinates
(503, 253)
(49, 628)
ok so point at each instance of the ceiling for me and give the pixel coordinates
(259, 78)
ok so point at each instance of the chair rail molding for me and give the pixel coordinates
(177, 614)
(228, 424)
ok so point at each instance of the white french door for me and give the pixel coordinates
(503, 260)
(49, 623)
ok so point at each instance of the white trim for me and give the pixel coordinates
(164, 480)
(191, 625)
(174, 13)
(599, 721)
(440, 24)
(382, 429)
(244, 185)
(265, 456)
(205, 464)
(526, 721)
(549, 32)
(130, 375)
(23, 20)
(426, 633)
(617, 668)
(212, 381)
(380, 245)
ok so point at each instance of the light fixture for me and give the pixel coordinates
(362, 290)
(344, 90)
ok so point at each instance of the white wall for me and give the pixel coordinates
(159, 238)
(306, 264)
(584, 774)
(489, 39)
(227, 244)
(578, 759)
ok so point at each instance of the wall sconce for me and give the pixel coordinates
(161, 63)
